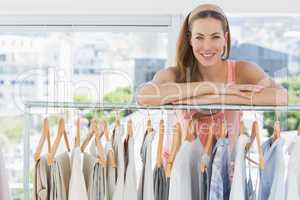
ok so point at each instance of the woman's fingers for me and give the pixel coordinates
(250, 88)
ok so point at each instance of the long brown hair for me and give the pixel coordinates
(186, 62)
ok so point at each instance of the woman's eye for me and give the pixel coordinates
(216, 37)
(199, 38)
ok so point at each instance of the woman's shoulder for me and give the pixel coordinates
(248, 71)
(166, 74)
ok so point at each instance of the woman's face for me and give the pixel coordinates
(208, 40)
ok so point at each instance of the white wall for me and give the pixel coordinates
(141, 6)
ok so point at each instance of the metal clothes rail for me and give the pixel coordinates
(75, 105)
(29, 105)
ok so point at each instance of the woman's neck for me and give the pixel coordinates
(215, 73)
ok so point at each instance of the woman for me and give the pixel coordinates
(204, 75)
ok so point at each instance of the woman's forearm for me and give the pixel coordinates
(268, 96)
(159, 94)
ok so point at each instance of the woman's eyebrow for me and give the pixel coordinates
(215, 33)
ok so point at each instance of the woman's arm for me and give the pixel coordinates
(268, 96)
(163, 89)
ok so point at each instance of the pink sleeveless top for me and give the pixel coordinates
(203, 124)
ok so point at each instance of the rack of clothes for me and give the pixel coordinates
(187, 169)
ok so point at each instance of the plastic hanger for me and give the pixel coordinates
(45, 136)
(176, 142)
(61, 132)
(94, 131)
(160, 142)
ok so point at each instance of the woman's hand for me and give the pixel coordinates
(241, 90)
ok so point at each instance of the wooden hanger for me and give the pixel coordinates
(256, 135)
(111, 159)
(160, 144)
(276, 131)
(94, 131)
(149, 124)
(77, 137)
(190, 131)
(176, 142)
(45, 136)
(242, 127)
(223, 129)
(207, 147)
(61, 132)
(299, 129)
(129, 128)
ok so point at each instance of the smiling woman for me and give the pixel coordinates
(204, 75)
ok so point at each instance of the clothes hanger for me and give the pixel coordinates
(94, 131)
(276, 131)
(160, 142)
(149, 123)
(208, 144)
(111, 160)
(176, 142)
(190, 131)
(129, 128)
(61, 132)
(77, 137)
(242, 127)
(45, 136)
(255, 134)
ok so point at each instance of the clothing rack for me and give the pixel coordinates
(29, 105)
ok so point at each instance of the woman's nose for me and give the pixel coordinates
(206, 45)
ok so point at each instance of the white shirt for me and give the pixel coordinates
(77, 187)
(293, 175)
(238, 186)
(184, 179)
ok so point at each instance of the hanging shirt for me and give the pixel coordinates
(219, 188)
(111, 172)
(77, 188)
(160, 184)
(203, 179)
(184, 180)
(41, 184)
(293, 174)
(238, 187)
(130, 187)
(119, 149)
(146, 190)
(99, 188)
(89, 163)
(60, 177)
(272, 176)
(4, 189)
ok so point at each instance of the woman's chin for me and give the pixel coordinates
(208, 62)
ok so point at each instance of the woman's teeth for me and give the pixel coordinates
(208, 55)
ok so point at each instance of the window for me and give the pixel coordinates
(67, 58)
